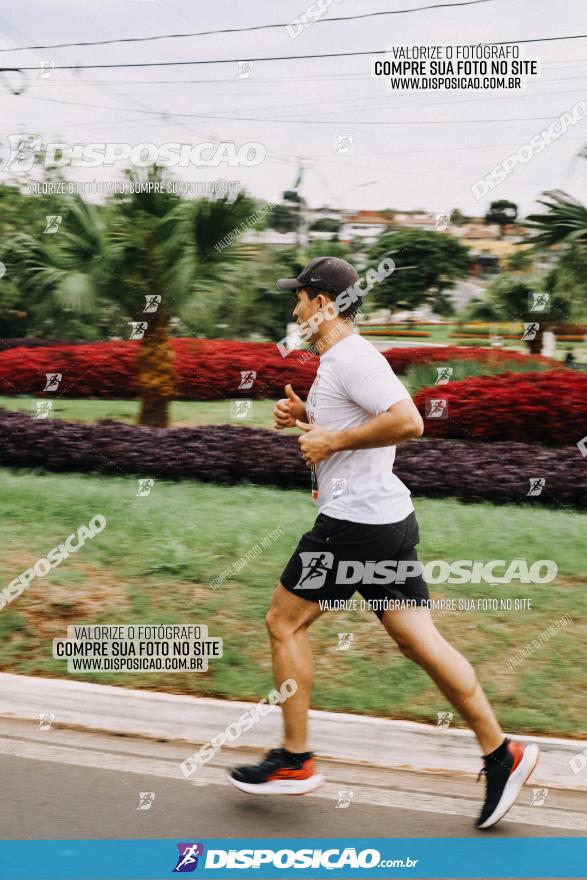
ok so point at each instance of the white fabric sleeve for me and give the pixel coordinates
(372, 384)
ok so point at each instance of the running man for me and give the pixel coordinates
(356, 413)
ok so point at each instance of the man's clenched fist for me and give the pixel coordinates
(289, 409)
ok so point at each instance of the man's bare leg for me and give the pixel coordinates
(287, 620)
(417, 637)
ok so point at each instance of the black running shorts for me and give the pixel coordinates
(338, 557)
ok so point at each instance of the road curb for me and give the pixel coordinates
(357, 739)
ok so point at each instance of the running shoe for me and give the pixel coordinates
(504, 779)
(278, 773)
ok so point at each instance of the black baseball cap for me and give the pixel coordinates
(331, 274)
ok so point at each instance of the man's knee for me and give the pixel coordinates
(279, 626)
(423, 651)
(283, 621)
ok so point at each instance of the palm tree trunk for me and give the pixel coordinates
(155, 371)
(535, 345)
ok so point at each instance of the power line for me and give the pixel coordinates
(164, 113)
(258, 27)
(282, 57)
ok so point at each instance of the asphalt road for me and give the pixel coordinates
(71, 784)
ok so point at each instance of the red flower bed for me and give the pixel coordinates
(401, 359)
(207, 369)
(210, 369)
(538, 407)
(98, 369)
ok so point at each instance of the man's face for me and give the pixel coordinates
(306, 307)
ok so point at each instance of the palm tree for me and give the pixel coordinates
(566, 221)
(151, 252)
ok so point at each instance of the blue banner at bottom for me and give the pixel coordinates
(531, 857)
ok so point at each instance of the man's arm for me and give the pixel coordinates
(399, 423)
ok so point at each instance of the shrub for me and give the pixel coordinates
(543, 407)
(230, 454)
(208, 369)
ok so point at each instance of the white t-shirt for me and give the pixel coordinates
(354, 383)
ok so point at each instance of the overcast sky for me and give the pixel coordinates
(430, 162)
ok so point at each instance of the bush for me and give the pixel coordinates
(208, 369)
(496, 359)
(544, 407)
(229, 454)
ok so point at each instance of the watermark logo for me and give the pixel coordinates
(152, 302)
(524, 653)
(46, 719)
(315, 567)
(443, 375)
(436, 408)
(54, 557)
(145, 487)
(241, 409)
(42, 409)
(344, 800)
(344, 641)
(52, 381)
(441, 222)
(232, 236)
(23, 152)
(582, 447)
(530, 331)
(578, 762)
(252, 553)
(245, 69)
(25, 149)
(437, 571)
(338, 486)
(235, 730)
(343, 144)
(53, 222)
(187, 860)
(46, 69)
(538, 302)
(537, 484)
(538, 797)
(443, 719)
(146, 799)
(247, 379)
(539, 142)
(314, 12)
(2, 269)
(139, 328)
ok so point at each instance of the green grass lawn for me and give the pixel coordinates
(183, 412)
(154, 561)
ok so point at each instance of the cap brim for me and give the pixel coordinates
(289, 284)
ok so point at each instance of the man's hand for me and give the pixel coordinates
(289, 409)
(316, 443)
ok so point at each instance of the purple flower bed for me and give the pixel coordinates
(229, 454)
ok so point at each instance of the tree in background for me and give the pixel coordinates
(520, 261)
(564, 223)
(427, 266)
(564, 227)
(510, 297)
(458, 218)
(502, 212)
(150, 252)
(281, 219)
(326, 224)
